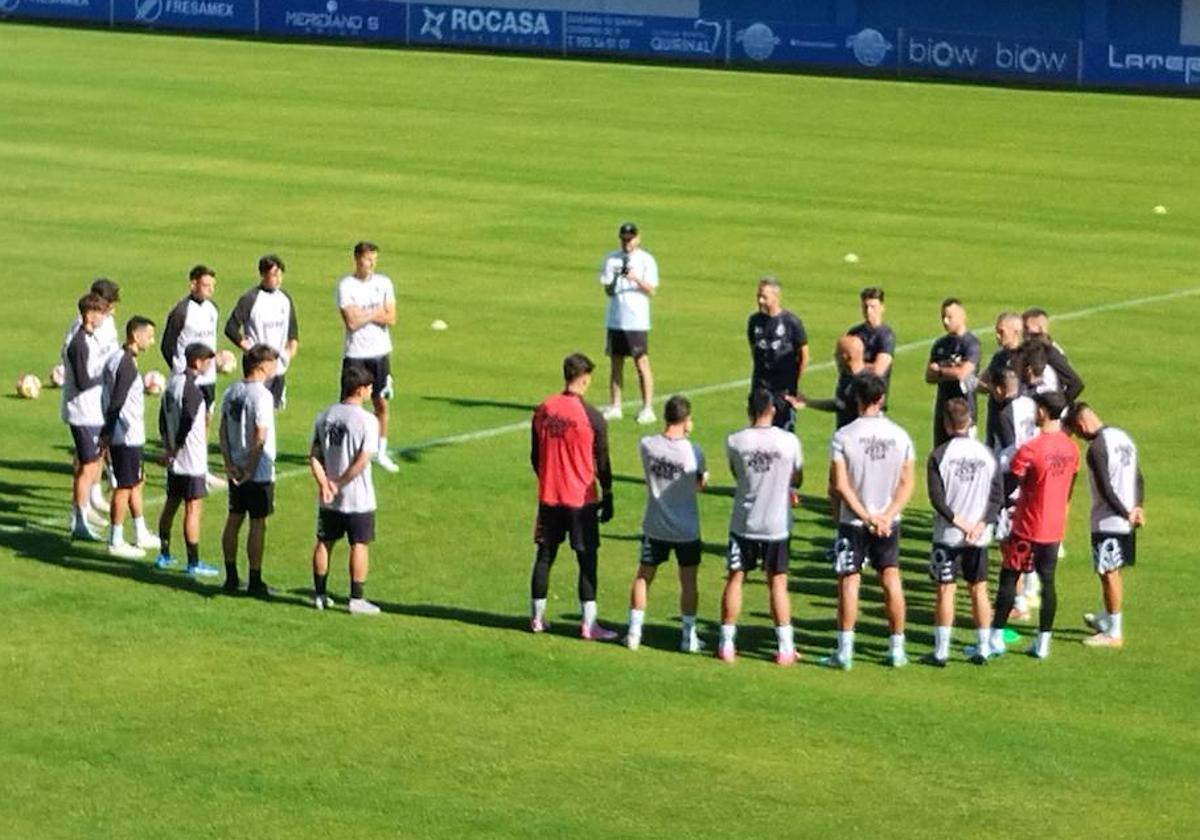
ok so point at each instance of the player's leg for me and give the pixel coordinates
(256, 541)
(1113, 588)
(943, 574)
(616, 381)
(118, 509)
(548, 533)
(320, 571)
(144, 538)
(646, 383)
(1110, 554)
(584, 528)
(688, 556)
(193, 512)
(781, 615)
(360, 532)
(85, 474)
(731, 608)
(166, 520)
(1016, 553)
(849, 554)
(229, 538)
(638, 592)
(1046, 563)
(885, 557)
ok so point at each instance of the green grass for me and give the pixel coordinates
(137, 704)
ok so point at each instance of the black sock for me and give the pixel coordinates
(231, 575)
(319, 583)
(193, 552)
(256, 577)
(165, 539)
(356, 589)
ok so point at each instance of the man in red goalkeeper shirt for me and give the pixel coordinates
(1045, 468)
(569, 453)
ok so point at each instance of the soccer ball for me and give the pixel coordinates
(58, 375)
(28, 386)
(154, 382)
(226, 361)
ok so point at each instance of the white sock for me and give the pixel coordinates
(997, 640)
(983, 635)
(728, 634)
(1114, 627)
(116, 534)
(785, 636)
(139, 526)
(1103, 620)
(588, 608)
(689, 626)
(636, 618)
(80, 515)
(537, 606)
(941, 642)
(1030, 584)
(845, 642)
(383, 450)
(1043, 643)
(1020, 604)
(897, 642)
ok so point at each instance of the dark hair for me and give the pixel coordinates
(871, 293)
(1033, 356)
(1073, 415)
(199, 271)
(92, 302)
(1034, 312)
(266, 263)
(957, 414)
(575, 366)
(868, 389)
(365, 247)
(677, 409)
(137, 322)
(256, 357)
(107, 289)
(197, 350)
(760, 401)
(1053, 402)
(355, 377)
(951, 301)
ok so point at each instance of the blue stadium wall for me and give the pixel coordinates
(1152, 45)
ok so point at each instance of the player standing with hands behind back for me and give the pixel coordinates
(367, 301)
(630, 278)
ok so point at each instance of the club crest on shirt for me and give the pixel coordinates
(1058, 464)
(664, 468)
(965, 469)
(335, 433)
(557, 426)
(877, 448)
(1125, 453)
(760, 460)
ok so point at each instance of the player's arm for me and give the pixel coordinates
(601, 460)
(354, 316)
(223, 440)
(192, 405)
(122, 382)
(534, 445)
(78, 355)
(1137, 516)
(385, 315)
(839, 479)
(801, 360)
(168, 342)
(256, 450)
(1097, 461)
(292, 346)
(647, 284)
(881, 365)
(937, 489)
(900, 498)
(235, 325)
(1069, 382)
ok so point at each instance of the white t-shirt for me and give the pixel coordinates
(107, 339)
(247, 406)
(763, 460)
(629, 306)
(673, 468)
(370, 340)
(874, 450)
(342, 432)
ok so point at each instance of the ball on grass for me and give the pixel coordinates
(851, 258)
(29, 387)
(226, 361)
(154, 382)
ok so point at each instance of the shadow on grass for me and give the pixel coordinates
(469, 402)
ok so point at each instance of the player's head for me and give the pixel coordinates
(869, 392)
(956, 416)
(1033, 359)
(270, 271)
(849, 354)
(577, 372)
(259, 362)
(366, 254)
(1010, 384)
(357, 383)
(770, 291)
(760, 407)
(1009, 329)
(108, 290)
(202, 281)
(954, 316)
(1051, 406)
(1036, 321)
(1083, 421)
(871, 299)
(92, 309)
(678, 412)
(139, 333)
(197, 355)
(630, 236)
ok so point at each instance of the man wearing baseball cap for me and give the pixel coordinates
(629, 276)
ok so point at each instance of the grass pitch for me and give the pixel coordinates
(138, 704)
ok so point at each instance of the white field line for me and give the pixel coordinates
(734, 384)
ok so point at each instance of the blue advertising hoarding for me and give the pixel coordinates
(775, 44)
(477, 26)
(223, 15)
(355, 20)
(964, 55)
(687, 39)
(87, 10)
(1142, 66)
